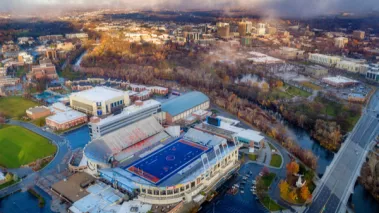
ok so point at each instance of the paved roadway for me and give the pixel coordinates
(333, 192)
(62, 149)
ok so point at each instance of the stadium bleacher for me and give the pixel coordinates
(115, 142)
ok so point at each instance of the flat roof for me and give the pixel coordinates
(132, 109)
(98, 94)
(38, 109)
(71, 188)
(340, 79)
(63, 117)
(251, 135)
(184, 102)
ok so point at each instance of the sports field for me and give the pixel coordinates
(19, 146)
(15, 106)
(165, 162)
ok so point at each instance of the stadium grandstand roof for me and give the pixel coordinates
(102, 148)
(183, 103)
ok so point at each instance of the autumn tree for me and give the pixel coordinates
(293, 194)
(284, 187)
(292, 167)
(305, 193)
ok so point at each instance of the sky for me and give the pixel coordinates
(277, 7)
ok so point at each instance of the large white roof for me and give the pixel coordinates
(99, 94)
(63, 117)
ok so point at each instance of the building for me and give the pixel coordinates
(326, 60)
(99, 100)
(43, 71)
(373, 72)
(138, 111)
(66, 120)
(50, 38)
(26, 58)
(290, 53)
(359, 35)
(260, 58)
(246, 41)
(339, 81)
(38, 112)
(340, 42)
(261, 29)
(316, 70)
(77, 35)
(179, 108)
(356, 97)
(272, 30)
(223, 30)
(158, 90)
(352, 65)
(206, 161)
(242, 28)
(3, 71)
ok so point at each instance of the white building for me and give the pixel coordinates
(324, 59)
(261, 29)
(25, 57)
(99, 100)
(131, 114)
(373, 72)
(340, 42)
(352, 65)
(77, 35)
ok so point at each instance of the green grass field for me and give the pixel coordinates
(276, 160)
(298, 92)
(15, 106)
(19, 146)
(311, 85)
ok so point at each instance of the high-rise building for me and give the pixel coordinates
(242, 28)
(358, 34)
(340, 42)
(249, 26)
(261, 29)
(223, 30)
(373, 72)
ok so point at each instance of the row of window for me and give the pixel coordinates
(117, 103)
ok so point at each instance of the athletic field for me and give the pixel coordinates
(15, 106)
(19, 146)
(165, 162)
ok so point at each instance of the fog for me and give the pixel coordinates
(294, 8)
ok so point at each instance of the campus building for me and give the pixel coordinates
(339, 81)
(181, 107)
(163, 166)
(43, 71)
(38, 112)
(373, 72)
(65, 120)
(352, 65)
(138, 111)
(326, 60)
(316, 70)
(99, 101)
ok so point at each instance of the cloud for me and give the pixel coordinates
(278, 7)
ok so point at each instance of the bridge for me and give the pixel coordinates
(337, 184)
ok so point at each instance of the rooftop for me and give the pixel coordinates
(132, 109)
(183, 103)
(72, 188)
(340, 79)
(99, 94)
(63, 117)
(38, 109)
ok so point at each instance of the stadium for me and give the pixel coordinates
(162, 165)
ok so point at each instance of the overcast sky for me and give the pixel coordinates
(277, 7)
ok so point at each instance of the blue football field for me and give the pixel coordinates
(168, 160)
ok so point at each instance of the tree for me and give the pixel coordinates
(292, 167)
(284, 187)
(293, 194)
(265, 171)
(8, 177)
(305, 193)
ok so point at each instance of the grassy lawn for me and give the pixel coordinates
(277, 93)
(271, 204)
(19, 146)
(298, 92)
(267, 179)
(15, 106)
(253, 157)
(311, 85)
(276, 160)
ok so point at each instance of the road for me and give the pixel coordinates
(333, 192)
(62, 149)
